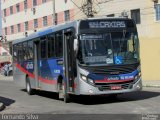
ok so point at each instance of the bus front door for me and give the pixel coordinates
(69, 62)
(36, 63)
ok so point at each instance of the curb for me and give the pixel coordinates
(153, 86)
(2, 106)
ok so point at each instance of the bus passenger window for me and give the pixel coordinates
(20, 52)
(43, 49)
(15, 53)
(30, 50)
(25, 47)
(51, 46)
(59, 45)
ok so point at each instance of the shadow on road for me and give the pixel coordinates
(50, 95)
(102, 99)
(135, 96)
(6, 101)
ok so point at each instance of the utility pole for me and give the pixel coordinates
(87, 8)
(90, 8)
(54, 12)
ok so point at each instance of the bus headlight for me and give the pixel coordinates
(138, 76)
(84, 77)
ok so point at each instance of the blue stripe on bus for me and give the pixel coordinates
(102, 77)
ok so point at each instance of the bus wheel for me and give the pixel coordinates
(66, 96)
(30, 91)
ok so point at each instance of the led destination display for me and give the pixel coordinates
(110, 24)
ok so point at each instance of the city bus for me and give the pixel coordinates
(93, 56)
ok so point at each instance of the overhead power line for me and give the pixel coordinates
(87, 6)
(77, 6)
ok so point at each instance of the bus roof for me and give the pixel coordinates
(46, 31)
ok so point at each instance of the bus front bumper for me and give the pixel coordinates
(87, 89)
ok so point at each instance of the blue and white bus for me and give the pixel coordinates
(94, 56)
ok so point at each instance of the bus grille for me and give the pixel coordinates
(107, 86)
(112, 70)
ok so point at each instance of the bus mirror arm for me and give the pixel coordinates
(75, 45)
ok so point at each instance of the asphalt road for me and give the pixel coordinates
(18, 101)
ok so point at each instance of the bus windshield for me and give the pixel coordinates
(109, 48)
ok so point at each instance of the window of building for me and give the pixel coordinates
(56, 19)
(5, 30)
(135, 15)
(11, 10)
(18, 28)
(44, 1)
(66, 15)
(5, 13)
(35, 23)
(12, 29)
(45, 22)
(110, 15)
(26, 25)
(25, 4)
(157, 10)
(17, 8)
(34, 2)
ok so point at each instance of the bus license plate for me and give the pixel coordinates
(116, 87)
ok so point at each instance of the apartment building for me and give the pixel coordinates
(20, 18)
(146, 14)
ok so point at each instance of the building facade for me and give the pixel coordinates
(20, 18)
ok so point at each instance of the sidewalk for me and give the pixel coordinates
(151, 83)
(6, 78)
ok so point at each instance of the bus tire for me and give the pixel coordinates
(29, 90)
(66, 98)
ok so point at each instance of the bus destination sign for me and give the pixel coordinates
(107, 24)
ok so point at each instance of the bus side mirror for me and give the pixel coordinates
(75, 45)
